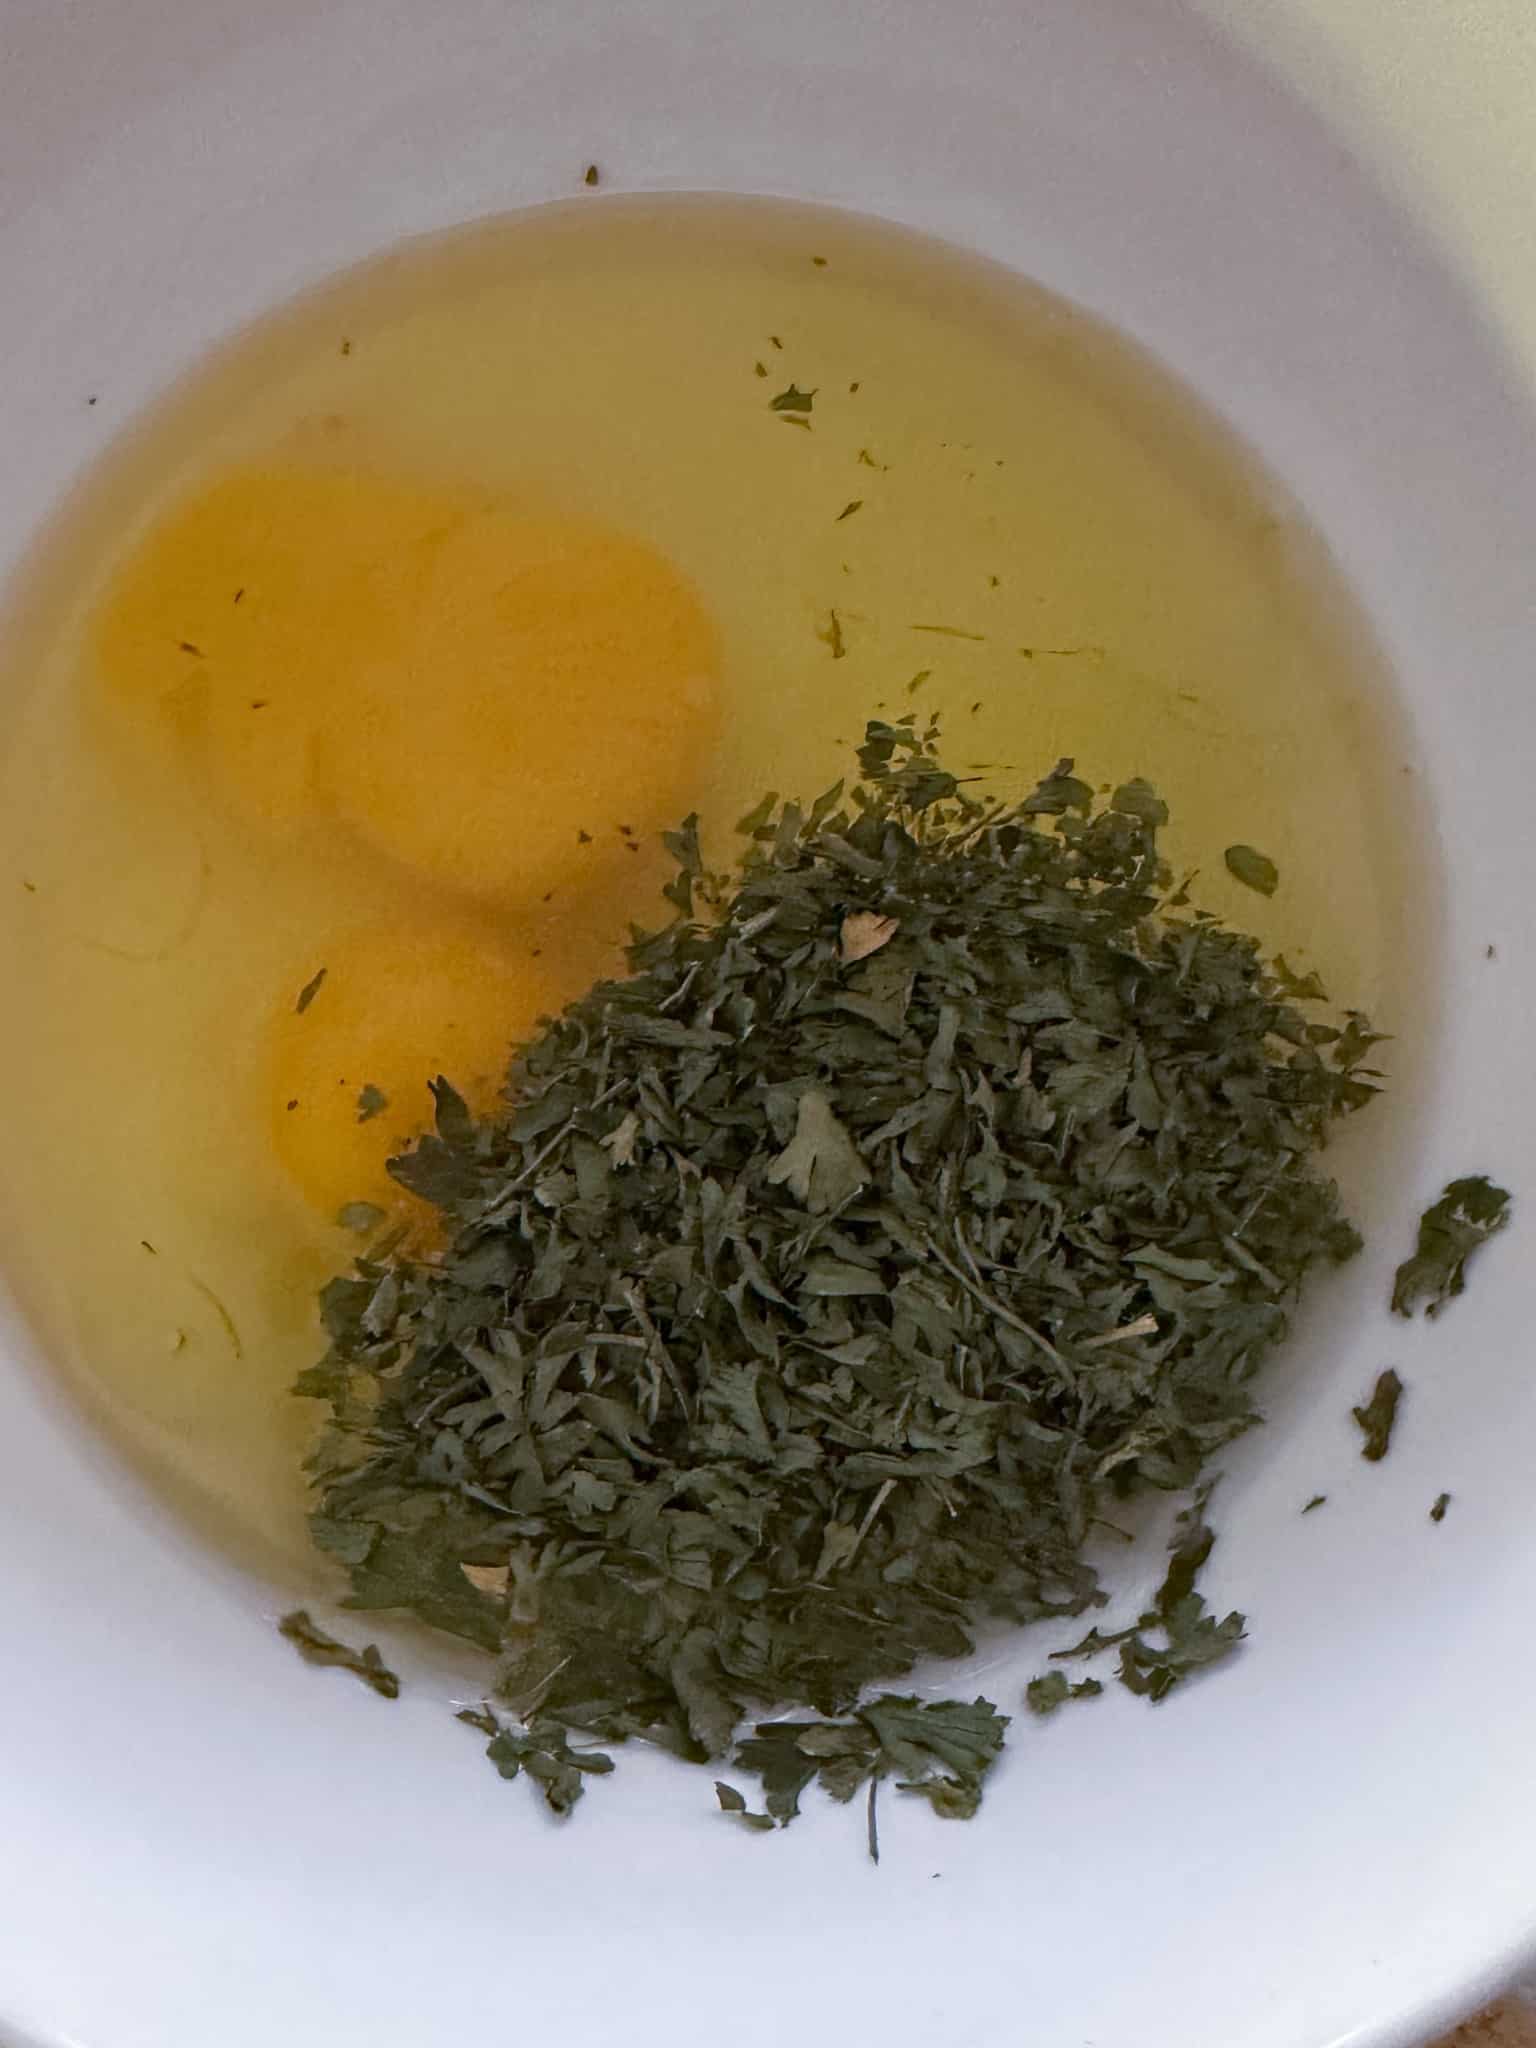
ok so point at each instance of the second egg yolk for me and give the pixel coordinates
(347, 1077)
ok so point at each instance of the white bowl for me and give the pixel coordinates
(1334, 1841)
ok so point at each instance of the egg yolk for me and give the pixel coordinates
(347, 1076)
(542, 679)
(245, 611)
(471, 691)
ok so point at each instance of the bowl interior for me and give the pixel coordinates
(1332, 1841)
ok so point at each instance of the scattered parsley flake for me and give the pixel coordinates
(315, 1646)
(230, 1328)
(1379, 1416)
(360, 1217)
(309, 991)
(831, 635)
(1044, 1695)
(1253, 869)
(542, 1752)
(941, 1750)
(1469, 1212)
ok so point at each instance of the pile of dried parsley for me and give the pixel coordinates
(932, 1181)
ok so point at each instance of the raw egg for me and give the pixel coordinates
(477, 693)
(346, 1076)
(247, 610)
(545, 685)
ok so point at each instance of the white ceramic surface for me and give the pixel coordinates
(201, 1842)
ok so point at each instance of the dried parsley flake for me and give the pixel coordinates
(1378, 1417)
(316, 1647)
(1469, 1212)
(1253, 869)
(1044, 1695)
(310, 990)
(371, 1102)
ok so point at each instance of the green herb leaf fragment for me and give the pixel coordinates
(360, 1217)
(316, 1647)
(1437, 1512)
(309, 991)
(940, 1750)
(1094, 1644)
(1253, 869)
(1194, 1640)
(371, 1102)
(733, 1804)
(831, 635)
(820, 1166)
(1044, 1695)
(1193, 1542)
(1379, 1415)
(792, 400)
(1469, 1212)
(1298, 988)
(220, 1308)
(541, 1752)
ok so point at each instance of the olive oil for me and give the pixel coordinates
(523, 542)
